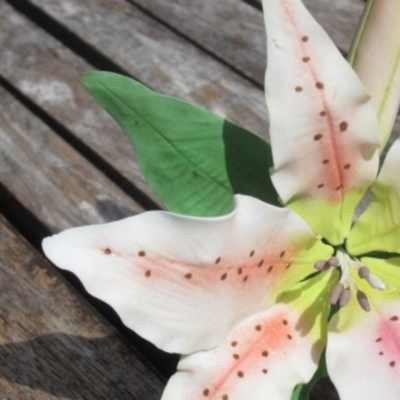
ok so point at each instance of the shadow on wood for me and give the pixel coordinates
(66, 366)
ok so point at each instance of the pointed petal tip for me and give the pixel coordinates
(49, 246)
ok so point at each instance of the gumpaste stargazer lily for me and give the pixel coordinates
(245, 297)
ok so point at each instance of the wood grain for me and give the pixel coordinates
(52, 344)
(234, 31)
(51, 179)
(49, 74)
(148, 50)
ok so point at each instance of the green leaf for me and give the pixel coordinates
(303, 391)
(299, 393)
(193, 160)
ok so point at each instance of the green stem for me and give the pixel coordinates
(363, 23)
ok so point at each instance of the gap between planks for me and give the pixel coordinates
(52, 344)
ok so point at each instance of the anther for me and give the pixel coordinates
(321, 265)
(363, 300)
(375, 282)
(336, 292)
(334, 261)
(363, 272)
(344, 297)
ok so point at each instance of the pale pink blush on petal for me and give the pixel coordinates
(363, 359)
(263, 358)
(324, 109)
(184, 282)
(323, 128)
(388, 341)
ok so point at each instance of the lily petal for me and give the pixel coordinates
(324, 130)
(184, 282)
(378, 229)
(363, 352)
(375, 56)
(264, 357)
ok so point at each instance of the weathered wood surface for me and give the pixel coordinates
(49, 74)
(163, 60)
(49, 178)
(52, 344)
(211, 53)
(234, 31)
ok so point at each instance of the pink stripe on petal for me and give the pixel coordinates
(365, 347)
(184, 282)
(264, 357)
(324, 131)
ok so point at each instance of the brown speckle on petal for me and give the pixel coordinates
(265, 353)
(142, 253)
(147, 274)
(260, 263)
(298, 89)
(257, 327)
(251, 253)
(188, 275)
(240, 374)
(206, 392)
(319, 85)
(304, 38)
(343, 126)
(394, 318)
(322, 113)
(305, 59)
(392, 363)
(265, 371)
(217, 261)
(107, 251)
(318, 136)
(224, 276)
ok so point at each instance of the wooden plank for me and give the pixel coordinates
(49, 178)
(146, 49)
(53, 345)
(59, 188)
(234, 31)
(49, 74)
(231, 30)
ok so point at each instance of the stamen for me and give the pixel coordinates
(334, 261)
(376, 282)
(363, 300)
(336, 293)
(363, 272)
(344, 297)
(321, 265)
